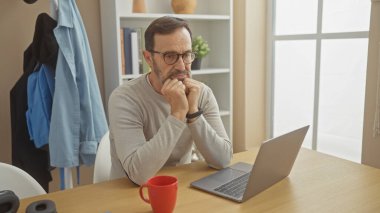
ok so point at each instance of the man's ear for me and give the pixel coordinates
(148, 57)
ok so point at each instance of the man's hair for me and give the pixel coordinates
(164, 25)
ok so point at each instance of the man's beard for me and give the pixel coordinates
(172, 73)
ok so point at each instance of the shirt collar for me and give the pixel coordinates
(66, 13)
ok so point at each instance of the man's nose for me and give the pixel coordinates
(180, 64)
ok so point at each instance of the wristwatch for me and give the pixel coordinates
(195, 114)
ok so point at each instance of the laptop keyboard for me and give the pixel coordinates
(235, 187)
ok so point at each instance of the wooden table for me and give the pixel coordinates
(317, 183)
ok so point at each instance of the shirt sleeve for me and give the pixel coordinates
(209, 134)
(140, 159)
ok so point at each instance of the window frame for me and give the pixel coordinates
(317, 37)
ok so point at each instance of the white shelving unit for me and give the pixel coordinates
(212, 19)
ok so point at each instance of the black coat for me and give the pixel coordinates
(43, 50)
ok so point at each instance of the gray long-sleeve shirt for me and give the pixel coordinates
(145, 137)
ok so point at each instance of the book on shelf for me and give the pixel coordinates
(135, 53)
(127, 50)
(144, 66)
(122, 51)
(133, 45)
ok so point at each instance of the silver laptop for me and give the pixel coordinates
(242, 181)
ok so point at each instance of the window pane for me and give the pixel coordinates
(345, 15)
(341, 102)
(294, 86)
(296, 17)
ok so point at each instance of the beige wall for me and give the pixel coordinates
(371, 145)
(249, 73)
(239, 103)
(17, 20)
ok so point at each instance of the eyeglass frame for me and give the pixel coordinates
(177, 54)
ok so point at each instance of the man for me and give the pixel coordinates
(156, 118)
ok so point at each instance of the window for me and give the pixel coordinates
(317, 62)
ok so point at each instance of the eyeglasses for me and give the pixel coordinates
(171, 58)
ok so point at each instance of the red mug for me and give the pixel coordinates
(162, 193)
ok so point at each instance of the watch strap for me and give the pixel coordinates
(195, 114)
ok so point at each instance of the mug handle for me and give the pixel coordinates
(142, 193)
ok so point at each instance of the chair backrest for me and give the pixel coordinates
(17, 180)
(102, 166)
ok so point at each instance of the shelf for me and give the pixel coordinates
(126, 77)
(209, 71)
(224, 113)
(183, 16)
(193, 72)
(212, 19)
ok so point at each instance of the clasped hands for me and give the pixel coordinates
(182, 96)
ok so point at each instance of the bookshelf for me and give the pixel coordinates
(212, 19)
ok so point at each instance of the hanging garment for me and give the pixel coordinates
(44, 46)
(40, 98)
(25, 155)
(78, 120)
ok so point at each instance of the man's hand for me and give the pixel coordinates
(193, 91)
(174, 92)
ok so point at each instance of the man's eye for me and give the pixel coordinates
(187, 55)
(171, 56)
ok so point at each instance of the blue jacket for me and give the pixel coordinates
(78, 120)
(40, 92)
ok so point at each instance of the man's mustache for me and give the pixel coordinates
(174, 73)
(179, 72)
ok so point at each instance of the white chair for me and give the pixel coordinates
(102, 166)
(20, 182)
